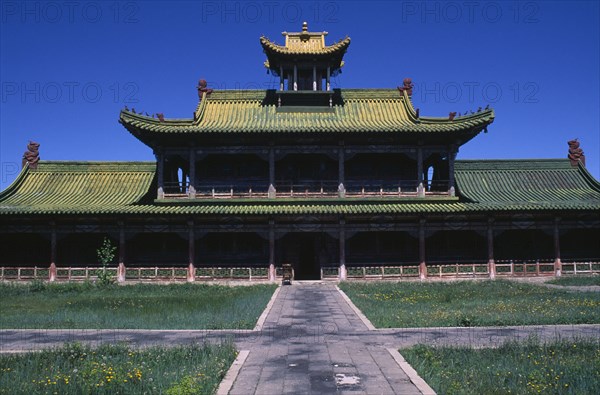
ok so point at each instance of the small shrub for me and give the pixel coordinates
(106, 255)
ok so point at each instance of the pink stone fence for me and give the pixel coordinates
(511, 268)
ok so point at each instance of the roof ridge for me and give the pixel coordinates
(99, 162)
(95, 166)
(514, 164)
(513, 160)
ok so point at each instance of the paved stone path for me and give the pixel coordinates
(311, 342)
(312, 347)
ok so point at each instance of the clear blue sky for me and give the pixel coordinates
(67, 68)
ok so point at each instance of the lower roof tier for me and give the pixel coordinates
(129, 188)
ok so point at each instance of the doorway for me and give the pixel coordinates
(307, 252)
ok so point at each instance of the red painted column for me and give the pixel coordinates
(422, 264)
(191, 273)
(557, 262)
(121, 269)
(272, 273)
(52, 271)
(490, 244)
(343, 273)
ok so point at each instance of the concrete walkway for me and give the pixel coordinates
(311, 341)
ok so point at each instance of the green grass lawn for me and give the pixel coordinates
(141, 306)
(471, 303)
(561, 367)
(576, 281)
(117, 369)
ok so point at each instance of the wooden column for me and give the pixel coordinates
(272, 272)
(160, 170)
(271, 190)
(52, 271)
(191, 272)
(295, 77)
(184, 175)
(280, 78)
(451, 158)
(420, 188)
(327, 82)
(343, 274)
(271, 166)
(422, 264)
(557, 262)
(121, 268)
(490, 245)
(192, 187)
(341, 170)
(314, 84)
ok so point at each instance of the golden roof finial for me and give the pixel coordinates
(304, 26)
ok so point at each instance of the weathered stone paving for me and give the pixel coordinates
(312, 347)
(311, 342)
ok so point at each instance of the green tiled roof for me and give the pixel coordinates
(71, 188)
(551, 183)
(255, 111)
(77, 186)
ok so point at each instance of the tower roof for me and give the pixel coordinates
(304, 45)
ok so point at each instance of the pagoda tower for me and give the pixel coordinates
(304, 64)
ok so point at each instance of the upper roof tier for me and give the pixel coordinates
(304, 45)
(354, 111)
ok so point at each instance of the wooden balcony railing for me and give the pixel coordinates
(389, 270)
(307, 189)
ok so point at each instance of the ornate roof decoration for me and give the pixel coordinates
(575, 153)
(31, 157)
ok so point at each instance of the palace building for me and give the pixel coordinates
(339, 183)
